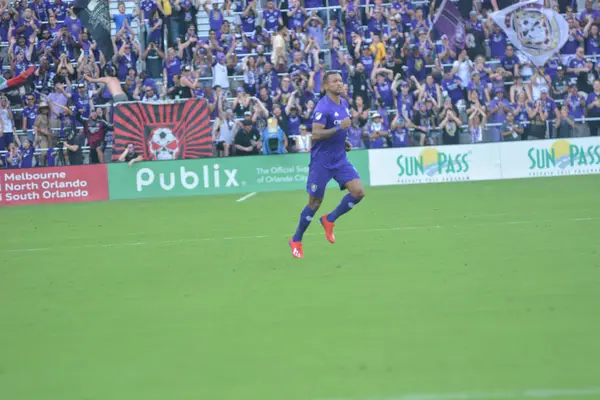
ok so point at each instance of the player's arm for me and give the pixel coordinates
(320, 133)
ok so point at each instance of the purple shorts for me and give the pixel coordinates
(319, 176)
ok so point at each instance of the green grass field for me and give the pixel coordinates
(485, 290)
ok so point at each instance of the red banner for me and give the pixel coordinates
(164, 131)
(53, 185)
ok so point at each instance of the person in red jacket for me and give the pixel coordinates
(95, 130)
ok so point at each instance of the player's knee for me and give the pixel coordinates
(315, 203)
(359, 193)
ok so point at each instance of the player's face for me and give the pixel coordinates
(335, 84)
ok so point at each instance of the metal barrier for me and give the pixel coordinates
(306, 139)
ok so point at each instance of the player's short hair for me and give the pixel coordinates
(328, 74)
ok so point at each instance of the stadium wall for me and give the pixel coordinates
(213, 176)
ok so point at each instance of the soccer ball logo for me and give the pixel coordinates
(164, 144)
(536, 32)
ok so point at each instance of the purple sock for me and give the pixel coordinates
(305, 217)
(347, 203)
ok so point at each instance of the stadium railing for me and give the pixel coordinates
(306, 138)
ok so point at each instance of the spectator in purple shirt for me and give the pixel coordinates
(355, 135)
(418, 21)
(590, 13)
(497, 42)
(577, 65)
(249, 17)
(29, 114)
(53, 27)
(576, 103)
(40, 9)
(271, 17)
(215, 16)
(27, 150)
(27, 24)
(296, 15)
(381, 81)
(64, 43)
(377, 131)
(473, 23)
(126, 58)
(405, 9)
(399, 133)
(73, 23)
(575, 38)
(58, 9)
(592, 39)
(498, 109)
(510, 62)
(416, 64)
(172, 65)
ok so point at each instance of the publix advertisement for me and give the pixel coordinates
(403, 166)
(217, 175)
(532, 159)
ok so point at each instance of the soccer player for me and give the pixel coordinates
(328, 161)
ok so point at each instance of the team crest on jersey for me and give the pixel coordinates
(318, 116)
(313, 187)
(537, 33)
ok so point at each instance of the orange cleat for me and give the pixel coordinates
(328, 226)
(297, 251)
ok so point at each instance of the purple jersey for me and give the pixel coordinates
(355, 137)
(497, 44)
(40, 10)
(216, 20)
(328, 157)
(296, 20)
(147, 7)
(590, 99)
(75, 26)
(400, 137)
(330, 152)
(31, 114)
(376, 143)
(576, 109)
(592, 46)
(385, 91)
(60, 10)
(249, 23)
(27, 154)
(572, 43)
(271, 18)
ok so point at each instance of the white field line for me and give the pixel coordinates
(246, 197)
(213, 239)
(509, 395)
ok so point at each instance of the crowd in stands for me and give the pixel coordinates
(260, 66)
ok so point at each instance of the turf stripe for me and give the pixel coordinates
(211, 239)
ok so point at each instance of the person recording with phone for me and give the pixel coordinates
(153, 57)
(130, 156)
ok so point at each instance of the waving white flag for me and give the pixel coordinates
(537, 31)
